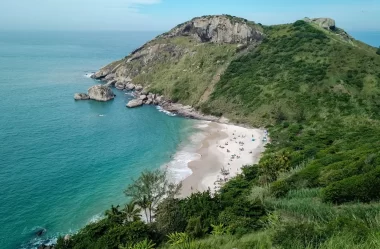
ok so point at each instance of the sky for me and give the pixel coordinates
(162, 15)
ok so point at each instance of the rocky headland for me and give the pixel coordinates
(97, 92)
(179, 69)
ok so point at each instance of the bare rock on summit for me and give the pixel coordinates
(100, 93)
(326, 23)
(218, 29)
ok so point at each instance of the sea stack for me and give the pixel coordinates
(100, 93)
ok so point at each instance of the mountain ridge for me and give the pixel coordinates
(316, 90)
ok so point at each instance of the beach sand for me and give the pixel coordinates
(227, 147)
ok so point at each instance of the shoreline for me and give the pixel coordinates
(223, 151)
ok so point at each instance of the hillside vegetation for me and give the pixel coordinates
(317, 184)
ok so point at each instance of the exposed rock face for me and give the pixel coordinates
(135, 103)
(220, 29)
(326, 23)
(217, 29)
(143, 97)
(100, 93)
(81, 96)
(119, 85)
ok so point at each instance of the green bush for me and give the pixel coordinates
(304, 235)
(280, 188)
(364, 188)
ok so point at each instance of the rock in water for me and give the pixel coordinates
(100, 93)
(135, 103)
(143, 97)
(81, 96)
(119, 85)
(40, 232)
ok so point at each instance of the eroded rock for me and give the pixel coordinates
(81, 96)
(100, 93)
(134, 103)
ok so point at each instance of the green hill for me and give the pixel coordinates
(317, 185)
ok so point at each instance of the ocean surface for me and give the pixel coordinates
(64, 162)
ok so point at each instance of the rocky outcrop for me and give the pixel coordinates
(100, 93)
(81, 96)
(175, 108)
(135, 103)
(218, 29)
(326, 23)
(119, 85)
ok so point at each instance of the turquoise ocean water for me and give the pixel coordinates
(62, 162)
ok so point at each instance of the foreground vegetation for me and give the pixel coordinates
(317, 184)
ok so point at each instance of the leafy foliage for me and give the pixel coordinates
(316, 185)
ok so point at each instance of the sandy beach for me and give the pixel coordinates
(222, 153)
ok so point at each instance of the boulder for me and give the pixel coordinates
(134, 103)
(100, 93)
(159, 99)
(143, 97)
(110, 76)
(144, 91)
(111, 83)
(81, 96)
(130, 87)
(119, 85)
(67, 237)
(149, 102)
(138, 88)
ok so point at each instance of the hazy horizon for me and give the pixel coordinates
(161, 15)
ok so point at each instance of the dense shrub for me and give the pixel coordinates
(364, 188)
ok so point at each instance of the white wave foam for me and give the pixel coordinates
(88, 75)
(96, 218)
(178, 168)
(160, 109)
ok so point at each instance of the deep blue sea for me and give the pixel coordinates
(64, 162)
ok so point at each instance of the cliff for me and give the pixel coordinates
(193, 64)
(197, 51)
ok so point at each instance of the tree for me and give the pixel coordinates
(169, 216)
(114, 214)
(149, 189)
(378, 51)
(131, 213)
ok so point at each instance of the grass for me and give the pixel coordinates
(186, 78)
(298, 68)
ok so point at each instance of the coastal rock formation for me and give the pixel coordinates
(81, 96)
(217, 29)
(326, 23)
(100, 93)
(119, 85)
(135, 103)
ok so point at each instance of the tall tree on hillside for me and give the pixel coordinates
(378, 51)
(149, 189)
(131, 212)
(114, 214)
